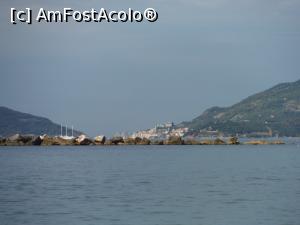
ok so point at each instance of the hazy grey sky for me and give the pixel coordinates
(107, 77)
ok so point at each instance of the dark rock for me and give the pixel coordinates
(37, 140)
(233, 141)
(108, 142)
(83, 140)
(207, 142)
(277, 142)
(2, 141)
(157, 142)
(18, 139)
(264, 142)
(143, 141)
(218, 141)
(192, 142)
(174, 141)
(137, 139)
(130, 141)
(256, 142)
(117, 140)
(100, 140)
(48, 141)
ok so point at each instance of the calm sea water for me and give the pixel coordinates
(150, 185)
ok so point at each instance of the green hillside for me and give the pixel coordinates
(13, 122)
(276, 109)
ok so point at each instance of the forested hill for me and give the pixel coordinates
(13, 122)
(276, 109)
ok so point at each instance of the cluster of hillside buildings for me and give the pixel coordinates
(166, 130)
(161, 131)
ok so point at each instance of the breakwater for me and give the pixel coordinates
(29, 140)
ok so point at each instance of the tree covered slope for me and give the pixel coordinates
(13, 122)
(276, 109)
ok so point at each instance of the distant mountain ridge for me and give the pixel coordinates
(276, 110)
(13, 122)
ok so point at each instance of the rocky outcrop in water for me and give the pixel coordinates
(37, 140)
(174, 141)
(142, 141)
(157, 142)
(83, 140)
(130, 141)
(18, 139)
(50, 141)
(263, 142)
(219, 141)
(115, 141)
(100, 140)
(192, 142)
(233, 141)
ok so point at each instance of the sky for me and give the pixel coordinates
(105, 78)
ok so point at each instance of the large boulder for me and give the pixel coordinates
(192, 142)
(264, 142)
(136, 141)
(219, 141)
(83, 140)
(256, 142)
(2, 141)
(129, 141)
(14, 138)
(233, 141)
(117, 140)
(142, 141)
(18, 139)
(157, 142)
(207, 142)
(37, 140)
(49, 141)
(108, 142)
(100, 139)
(174, 141)
(277, 142)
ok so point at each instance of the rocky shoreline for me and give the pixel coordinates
(28, 140)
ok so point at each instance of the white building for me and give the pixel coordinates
(161, 131)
